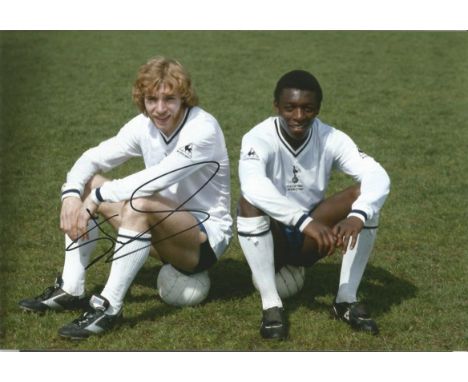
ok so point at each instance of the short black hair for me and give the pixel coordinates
(298, 79)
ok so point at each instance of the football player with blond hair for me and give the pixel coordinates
(176, 208)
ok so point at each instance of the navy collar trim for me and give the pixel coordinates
(294, 152)
(168, 140)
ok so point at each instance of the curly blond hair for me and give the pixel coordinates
(160, 71)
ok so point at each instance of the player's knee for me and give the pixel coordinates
(136, 209)
(355, 191)
(245, 209)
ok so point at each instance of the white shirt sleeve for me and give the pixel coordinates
(375, 182)
(191, 154)
(258, 189)
(104, 157)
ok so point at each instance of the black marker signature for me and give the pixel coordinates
(113, 241)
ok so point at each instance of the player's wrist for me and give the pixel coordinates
(69, 190)
(358, 214)
(96, 196)
(303, 222)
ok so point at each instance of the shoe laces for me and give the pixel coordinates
(87, 317)
(48, 292)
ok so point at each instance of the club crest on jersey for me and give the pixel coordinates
(295, 183)
(186, 150)
(251, 155)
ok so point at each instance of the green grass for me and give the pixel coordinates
(402, 96)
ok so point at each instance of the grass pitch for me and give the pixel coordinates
(402, 96)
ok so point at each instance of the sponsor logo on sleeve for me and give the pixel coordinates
(251, 155)
(186, 150)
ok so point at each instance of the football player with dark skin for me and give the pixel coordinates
(287, 221)
(330, 228)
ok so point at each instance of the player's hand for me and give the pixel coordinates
(88, 209)
(71, 207)
(347, 231)
(322, 235)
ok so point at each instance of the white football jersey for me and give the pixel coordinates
(190, 167)
(287, 183)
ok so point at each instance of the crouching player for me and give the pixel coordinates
(284, 218)
(177, 208)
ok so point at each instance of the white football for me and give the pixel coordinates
(178, 289)
(289, 280)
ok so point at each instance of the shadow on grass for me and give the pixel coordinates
(379, 289)
(231, 279)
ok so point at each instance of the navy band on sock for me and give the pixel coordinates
(253, 234)
(139, 238)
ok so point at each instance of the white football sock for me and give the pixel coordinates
(127, 261)
(76, 261)
(259, 252)
(355, 261)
